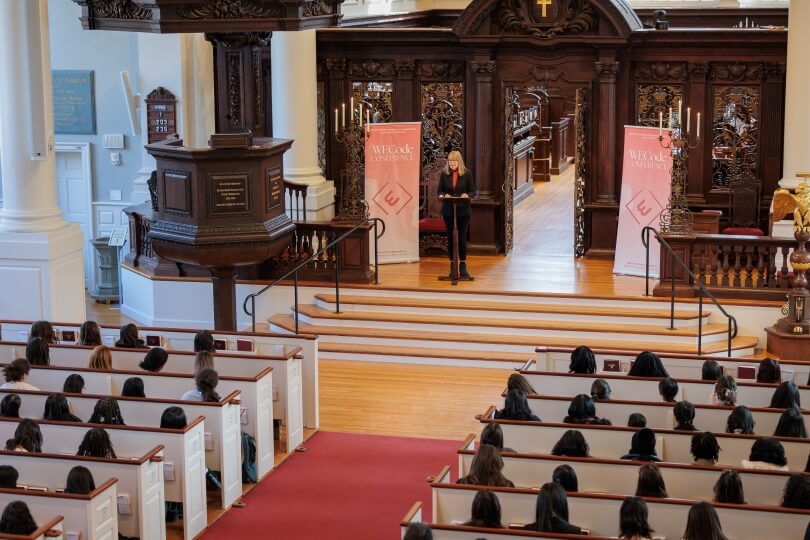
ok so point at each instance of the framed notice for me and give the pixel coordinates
(74, 107)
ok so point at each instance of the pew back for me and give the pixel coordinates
(50, 528)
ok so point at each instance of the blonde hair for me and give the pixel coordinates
(100, 358)
(203, 360)
(455, 154)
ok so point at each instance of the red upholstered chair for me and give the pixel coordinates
(432, 232)
(744, 207)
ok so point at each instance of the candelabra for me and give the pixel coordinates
(677, 219)
(352, 135)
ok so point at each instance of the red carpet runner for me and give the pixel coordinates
(353, 487)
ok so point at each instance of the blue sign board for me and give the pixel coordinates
(74, 107)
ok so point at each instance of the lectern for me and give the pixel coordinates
(454, 276)
(222, 208)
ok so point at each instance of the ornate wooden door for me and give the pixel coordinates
(511, 108)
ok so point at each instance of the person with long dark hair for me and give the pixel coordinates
(485, 469)
(571, 444)
(684, 413)
(57, 408)
(566, 476)
(702, 523)
(797, 492)
(648, 364)
(516, 407)
(203, 360)
(485, 511)
(633, 516)
(668, 388)
(786, 396)
(650, 482)
(769, 372)
(96, 443)
(8, 477)
(642, 446)
(492, 434)
(74, 384)
(133, 387)
(740, 420)
(80, 481)
(729, 488)
(44, 330)
(582, 361)
(10, 406)
(517, 381)
(108, 412)
(705, 449)
(128, 338)
(16, 374)
(551, 512)
(600, 390)
(17, 519)
(791, 424)
(173, 418)
(27, 437)
(206, 382)
(710, 371)
(89, 334)
(204, 341)
(37, 352)
(725, 391)
(767, 454)
(583, 411)
(418, 531)
(154, 360)
(456, 180)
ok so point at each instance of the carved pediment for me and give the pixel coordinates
(546, 18)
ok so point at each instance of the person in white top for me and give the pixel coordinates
(16, 374)
(766, 454)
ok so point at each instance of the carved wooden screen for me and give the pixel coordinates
(377, 99)
(580, 170)
(652, 99)
(735, 135)
(442, 114)
(321, 129)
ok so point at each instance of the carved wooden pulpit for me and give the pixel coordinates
(222, 208)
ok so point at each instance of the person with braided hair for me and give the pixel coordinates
(207, 380)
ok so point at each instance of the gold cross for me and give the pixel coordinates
(543, 4)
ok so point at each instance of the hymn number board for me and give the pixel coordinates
(161, 115)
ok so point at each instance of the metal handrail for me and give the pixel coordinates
(252, 297)
(732, 322)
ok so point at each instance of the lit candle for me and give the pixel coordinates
(343, 114)
(670, 118)
(688, 118)
(336, 120)
(368, 117)
(361, 115)
(660, 122)
(698, 125)
(351, 111)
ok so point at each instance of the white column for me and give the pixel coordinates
(797, 105)
(41, 266)
(295, 116)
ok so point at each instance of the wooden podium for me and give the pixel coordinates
(222, 208)
(454, 276)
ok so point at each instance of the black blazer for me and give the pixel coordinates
(465, 184)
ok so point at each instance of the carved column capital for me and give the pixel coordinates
(237, 40)
(775, 72)
(607, 71)
(336, 67)
(483, 69)
(405, 68)
(698, 71)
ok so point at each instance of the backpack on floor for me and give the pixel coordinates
(249, 459)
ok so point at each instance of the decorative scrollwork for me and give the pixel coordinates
(318, 8)
(237, 40)
(321, 127)
(737, 72)
(511, 110)
(118, 9)
(234, 89)
(229, 9)
(735, 136)
(440, 70)
(580, 170)
(577, 18)
(442, 121)
(376, 97)
(661, 71)
(652, 99)
(370, 69)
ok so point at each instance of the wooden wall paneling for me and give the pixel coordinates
(484, 111)
(699, 166)
(406, 108)
(337, 89)
(607, 69)
(772, 134)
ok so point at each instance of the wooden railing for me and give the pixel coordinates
(730, 266)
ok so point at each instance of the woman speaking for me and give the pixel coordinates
(456, 180)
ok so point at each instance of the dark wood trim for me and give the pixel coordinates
(48, 530)
(150, 374)
(60, 494)
(149, 456)
(113, 427)
(230, 398)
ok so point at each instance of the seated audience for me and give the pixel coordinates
(486, 511)
(769, 372)
(786, 396)
(642, 446)
(203, 360)
(100, 358)
(8, 477)
(705, 449)
(766, 454)
(725, 391)
(517, 381)
(485, 469)
(37, 352)
(551, 512)
(80, 481)
(516, 407)
(702, 523)
(583, 411)
(206, 381)
(133, 387)
(74, 384)
(729, 488)
(204, 342)
(128, 338)
(582, 361)
(96, 443)
(10, 406)
(668, 388)
(44, 330)
(650, 482)
(154, 360)
(633, 524)
(600, 390)
(684, 413)
(711, 371)
(571, 444)
(740, 420)
(27, 437)
(57, 408)
(16, 373)
(492, 434)
(797, 492)
(637, 419)
(173, 418)
(566, 476)
(107, 411)
(647, 364)
(89, 334)
(418, 531)
(17, 519)
(791, 424)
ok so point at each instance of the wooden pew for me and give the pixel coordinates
(255, 396)
(600, 513)
(92, 517)
(619, 477)
(49, 529)
(659, 414)
(183, 453)
(287, 379)
(182, 339)
(686, 366)
(140, 481)
(223, 454)
(750, 394)
(611, 442)
(460, 532)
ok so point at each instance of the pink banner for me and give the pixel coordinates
(645, 190)
(392, 187)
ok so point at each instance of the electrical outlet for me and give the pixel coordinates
(115, 158)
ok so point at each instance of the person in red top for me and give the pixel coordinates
(456, 180)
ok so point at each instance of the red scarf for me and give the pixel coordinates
(455, 179)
